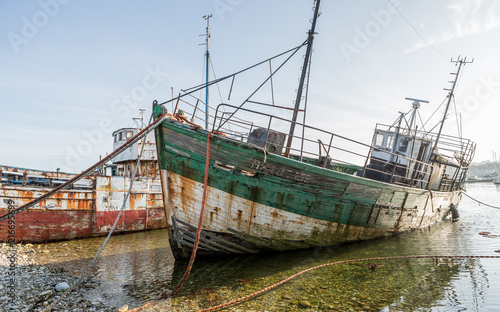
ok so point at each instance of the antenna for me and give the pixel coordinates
(416, 105)
(460, 62)
(207, 55)
(139, 121)
(416, 102)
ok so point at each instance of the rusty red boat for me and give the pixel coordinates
(89, 206)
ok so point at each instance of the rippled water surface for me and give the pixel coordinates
(137, 268)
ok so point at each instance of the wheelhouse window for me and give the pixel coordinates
(403, 145)
(379, 140)
(384, 140)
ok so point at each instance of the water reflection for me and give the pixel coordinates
(137, 268)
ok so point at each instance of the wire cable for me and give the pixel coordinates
(480, 202)
(416, 31)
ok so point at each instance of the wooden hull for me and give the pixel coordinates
(72, 214)
(260, 201)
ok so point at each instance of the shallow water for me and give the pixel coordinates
(137, 268)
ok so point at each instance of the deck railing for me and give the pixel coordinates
(312, 145)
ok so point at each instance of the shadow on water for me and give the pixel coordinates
(137, 268)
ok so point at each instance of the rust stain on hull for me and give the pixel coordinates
(73, 214)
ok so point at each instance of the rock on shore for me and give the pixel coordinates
(26, 285)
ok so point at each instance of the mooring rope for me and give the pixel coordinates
(223, 305)
(495, 207)
(200, 221)
(79, 279)
(197, 239)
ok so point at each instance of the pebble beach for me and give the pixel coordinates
(27, 285)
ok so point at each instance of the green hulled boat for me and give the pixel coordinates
(276, 184)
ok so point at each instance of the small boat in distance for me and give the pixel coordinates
(275, 183)
(90, 206)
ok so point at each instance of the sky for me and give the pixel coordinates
(72, 72)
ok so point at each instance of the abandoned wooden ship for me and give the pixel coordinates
(268, 190)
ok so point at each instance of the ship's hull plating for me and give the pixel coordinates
(72, 214)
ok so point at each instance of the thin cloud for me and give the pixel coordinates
(462, 18)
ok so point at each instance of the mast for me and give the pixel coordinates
(307, 58)
(207, 60)
(461, 62)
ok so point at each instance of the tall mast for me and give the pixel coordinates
(307, 59)
(461, 62)
(207, 60)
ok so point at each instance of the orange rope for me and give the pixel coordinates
(200, 221)
(198, 234)
(223, 305)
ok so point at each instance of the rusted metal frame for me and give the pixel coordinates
(270, 76)
(231, 89)
(369, 157)
(272, 87)
(237, 122)
(330, 145)
(385, 172)
(195, 109)
(321, 145)
(120, 149)
(315, 129)
(350, 152)
(275, 106)
(455, 175)
(243, 124)
(176, 104)
(215, 81)
(408, 126)
(396, 164)
(267, 135)
(445, 140)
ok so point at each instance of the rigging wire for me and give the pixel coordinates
(215, 77)
(421, 121)
(218, 89)
(91, 263)
(456, 117)
(437, 109)
(480, 202)
(416, 31)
